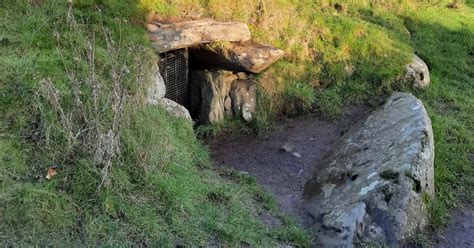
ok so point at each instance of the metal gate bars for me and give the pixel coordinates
(174, 70)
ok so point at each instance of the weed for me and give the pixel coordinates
(330, 103)
(299, 98)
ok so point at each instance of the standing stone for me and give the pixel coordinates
(376, 178)
(171, 36)
(212, 92)
(157, 89)
(244, 98)
(417, 73)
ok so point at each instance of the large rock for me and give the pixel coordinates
(237, 56)
(417, 73)
(211, 94)
(158, 88)
(172, 36)
(243, 94)
(175, 109)
(376, 178)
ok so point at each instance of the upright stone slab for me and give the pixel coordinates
(211, 93)
(172, 36)
(376, 178)
(243, 95)
(157, 89)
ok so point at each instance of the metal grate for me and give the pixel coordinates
(174, 70)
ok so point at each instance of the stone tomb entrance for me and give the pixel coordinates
(205, 66)
(206, 90)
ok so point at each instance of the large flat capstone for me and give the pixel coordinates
(171, 36)
(247, 56)
(376, 179)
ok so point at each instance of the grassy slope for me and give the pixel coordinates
(161, 191)
(444, 38)
(158, 191)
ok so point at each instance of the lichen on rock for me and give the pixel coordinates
(376, 178)
(417, 73)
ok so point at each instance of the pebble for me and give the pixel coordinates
(295, 154)
(287, 147)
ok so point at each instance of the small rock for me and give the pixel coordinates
(152, 27)
(417, 73)
(125, 70)
(287, 147)
(175, 109)
(295, 154)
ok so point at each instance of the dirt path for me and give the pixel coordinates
(284, 173)
(306, 140)
(460, 233)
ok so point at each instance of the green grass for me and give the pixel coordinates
(443, 37)
(61, 76)
(73, 95)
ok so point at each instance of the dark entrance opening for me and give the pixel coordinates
(197, 95)
(174, 68)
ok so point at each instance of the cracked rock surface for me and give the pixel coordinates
(376, 179)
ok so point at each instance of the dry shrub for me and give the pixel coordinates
(91, 113)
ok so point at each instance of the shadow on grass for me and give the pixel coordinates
(448, 49)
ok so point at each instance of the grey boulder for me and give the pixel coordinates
(376, 179)
(175, 109)
(157, 89)
(417, 73)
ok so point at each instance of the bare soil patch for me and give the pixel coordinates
(460, 233)
(286, 157)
